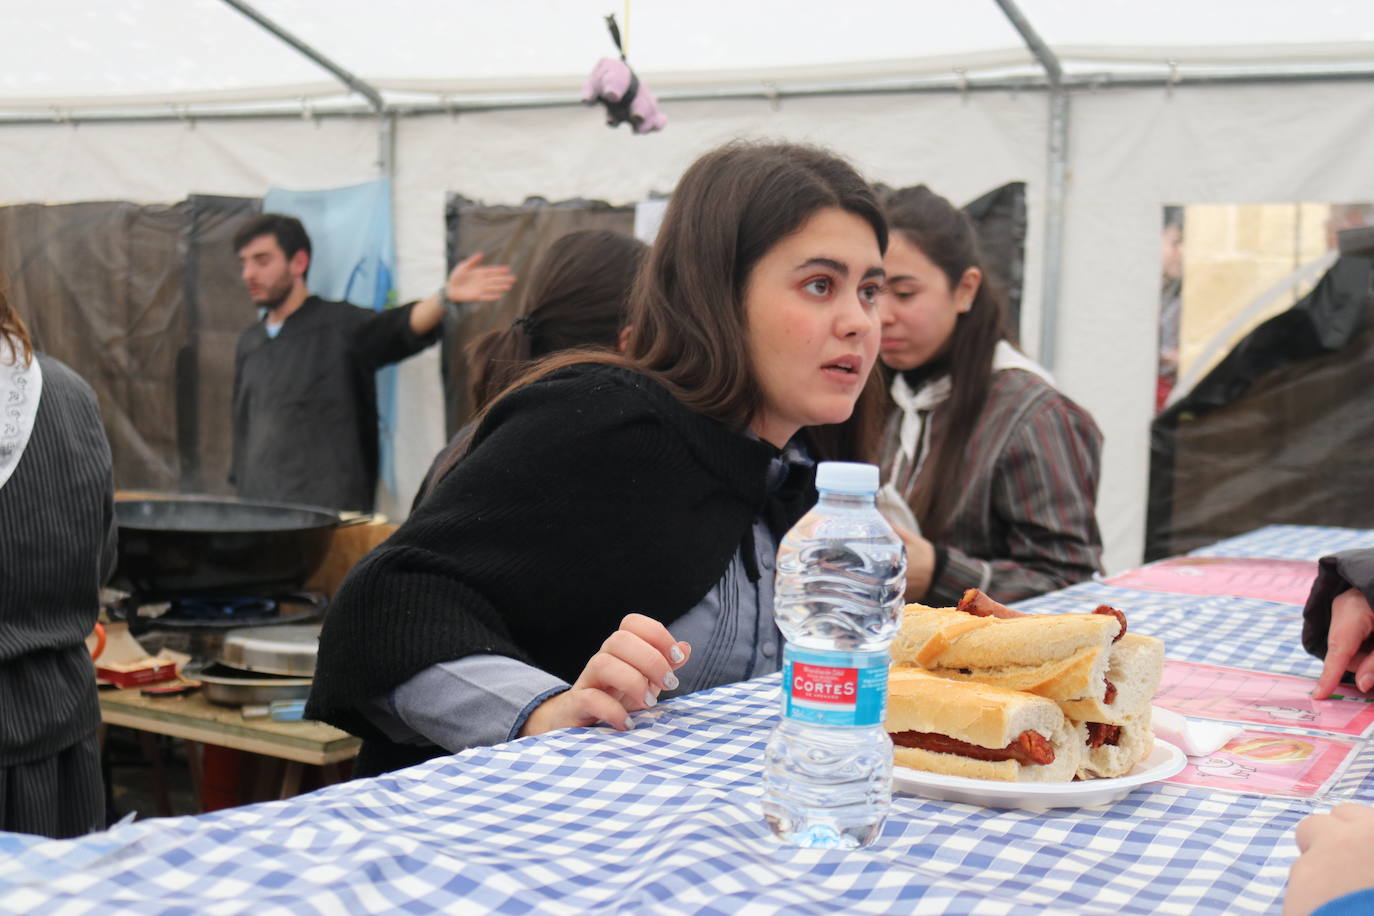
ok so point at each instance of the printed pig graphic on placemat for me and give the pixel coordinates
(1222, 768)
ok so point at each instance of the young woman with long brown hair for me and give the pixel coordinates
(57, 541)
(610, 534)
(998, 468)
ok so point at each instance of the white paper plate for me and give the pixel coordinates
(1161, 763)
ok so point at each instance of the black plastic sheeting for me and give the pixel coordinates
(1000, 218)
(506, 235)
(1281, 431)
(145, 303)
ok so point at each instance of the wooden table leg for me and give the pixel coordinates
(291, 779)
(221, 777)
(153, 754)
(333, 773)
(193, 763)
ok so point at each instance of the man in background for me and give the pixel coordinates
(305, 391)
(1170, 303)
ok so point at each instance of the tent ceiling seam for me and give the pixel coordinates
(59, 113)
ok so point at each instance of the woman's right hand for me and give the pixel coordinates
(1348, 644)
(1334, 858)
(634, 664)
(920, 563)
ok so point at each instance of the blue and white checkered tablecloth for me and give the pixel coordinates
(666, 819)
(1289, 542)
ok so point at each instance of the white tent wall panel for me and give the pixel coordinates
(960, 147)
(1131, 153)
(163, 161)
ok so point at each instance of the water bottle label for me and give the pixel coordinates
(834, 688)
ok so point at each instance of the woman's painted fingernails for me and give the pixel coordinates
(670, 681)
(675, 653)
(650, 699)
(629, 724)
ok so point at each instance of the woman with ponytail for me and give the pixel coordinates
(57, 539)
(998, 469)
(575, 298)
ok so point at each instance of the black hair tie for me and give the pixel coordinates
(524, 323)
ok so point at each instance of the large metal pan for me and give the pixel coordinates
(232, 687)
(192, 545)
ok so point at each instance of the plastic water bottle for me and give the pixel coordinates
(841, 575)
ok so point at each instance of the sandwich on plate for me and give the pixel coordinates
(1118, 727)
(963, 728)
(1101, 678)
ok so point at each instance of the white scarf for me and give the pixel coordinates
(20, 388)
(913, 437)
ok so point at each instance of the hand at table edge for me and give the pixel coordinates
(920, 562)
(1352, 624)
(1334, 858)
(634, 665)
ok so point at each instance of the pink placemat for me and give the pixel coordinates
(1236, 695)
(1270, 763)
(1286, 581)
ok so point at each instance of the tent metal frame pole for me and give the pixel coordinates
(1100, 82)
(344, 76)
(1055, 193)
(1056, 186)
(386, 127)
(386, 144)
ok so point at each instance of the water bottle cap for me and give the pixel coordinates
(847, 477)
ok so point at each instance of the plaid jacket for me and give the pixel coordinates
(1026, 523)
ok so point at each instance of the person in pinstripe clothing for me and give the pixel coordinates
(997, 468)
(57, 539)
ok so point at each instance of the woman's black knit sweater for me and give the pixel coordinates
(588, 495)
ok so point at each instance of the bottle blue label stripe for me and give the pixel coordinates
(834, 688)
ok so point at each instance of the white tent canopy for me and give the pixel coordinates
(71, 57)
(1223, 101)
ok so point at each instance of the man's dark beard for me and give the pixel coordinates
(271, 305)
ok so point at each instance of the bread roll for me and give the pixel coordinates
(1058, 656)
(977, 714)
(1135, 667)
(1133, 743)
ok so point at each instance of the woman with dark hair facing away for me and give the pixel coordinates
(576, 296)
(998, 469)
(610, 535)
(57, 540)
